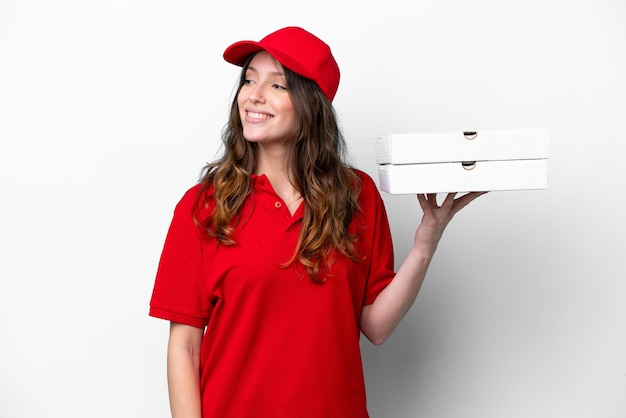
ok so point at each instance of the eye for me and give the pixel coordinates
(279, 87)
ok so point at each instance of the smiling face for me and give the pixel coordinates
(265, 106)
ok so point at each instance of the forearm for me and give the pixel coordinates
(379, 319)
(183, 377)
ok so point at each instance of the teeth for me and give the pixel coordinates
(259, 115)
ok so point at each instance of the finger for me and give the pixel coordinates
(449, 200)
(428, 200)
(465, 200)
(432, 198)
(421, 198)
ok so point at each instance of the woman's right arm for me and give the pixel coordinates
(183, 370)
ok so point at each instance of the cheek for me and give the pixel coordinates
(288, 112)
(240, 107)
(293, 120)
(240, 99)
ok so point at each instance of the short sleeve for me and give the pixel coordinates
(378, 241)
(179, 292)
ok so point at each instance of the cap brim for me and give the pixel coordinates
(239, 52)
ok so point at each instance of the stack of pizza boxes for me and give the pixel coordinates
(511, 159)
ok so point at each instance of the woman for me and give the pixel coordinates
(279, 259)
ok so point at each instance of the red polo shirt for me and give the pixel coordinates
(276, 345)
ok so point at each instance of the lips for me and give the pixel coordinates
(259, 116)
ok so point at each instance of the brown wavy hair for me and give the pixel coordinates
(319, 172)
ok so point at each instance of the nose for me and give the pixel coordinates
(256, 93)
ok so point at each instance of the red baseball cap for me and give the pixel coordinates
(295, 48)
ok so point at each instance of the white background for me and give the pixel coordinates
(108, 111)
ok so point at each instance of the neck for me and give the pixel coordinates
(271, 162)
(270, 159)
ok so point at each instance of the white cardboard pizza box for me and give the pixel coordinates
(463, 161)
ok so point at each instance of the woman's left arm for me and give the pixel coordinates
(379, 319)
